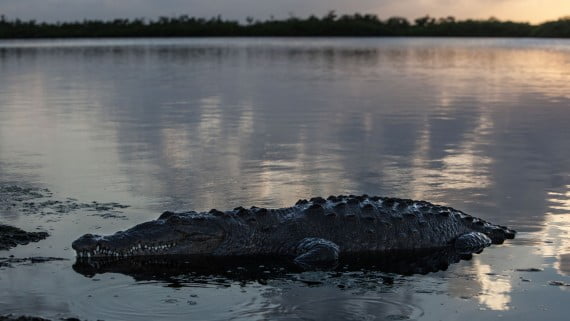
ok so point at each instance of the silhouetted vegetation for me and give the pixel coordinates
(329, 25)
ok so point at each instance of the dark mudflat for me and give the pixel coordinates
(21, 318)
(28, 318)
(12, 236)
(9, 261)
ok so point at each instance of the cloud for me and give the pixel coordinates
(65, 10)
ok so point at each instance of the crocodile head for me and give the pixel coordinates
(170, 234)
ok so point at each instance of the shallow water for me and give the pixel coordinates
(481, 125)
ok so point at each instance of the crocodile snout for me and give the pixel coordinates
(86, 243)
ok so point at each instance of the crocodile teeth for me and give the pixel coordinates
(99, 250)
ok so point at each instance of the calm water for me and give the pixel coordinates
(480, 125)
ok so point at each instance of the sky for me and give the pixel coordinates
(67, 10)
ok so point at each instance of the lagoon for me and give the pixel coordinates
(482, 125)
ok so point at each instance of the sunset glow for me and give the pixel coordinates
(534, 11)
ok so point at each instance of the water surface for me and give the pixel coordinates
(478, 124)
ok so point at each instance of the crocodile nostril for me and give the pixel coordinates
(85, 242)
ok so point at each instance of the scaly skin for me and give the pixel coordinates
(315, 230)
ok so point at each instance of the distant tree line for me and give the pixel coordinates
(355, 25)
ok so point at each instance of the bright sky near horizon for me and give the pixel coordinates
(67, 10)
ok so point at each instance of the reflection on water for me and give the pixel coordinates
(247, 269)
(357, 288)
(557, 230)
(491, 290)
(481, 125)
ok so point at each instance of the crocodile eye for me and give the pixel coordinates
(166, 215)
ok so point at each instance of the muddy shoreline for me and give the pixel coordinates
(10, 317)
(11, 236)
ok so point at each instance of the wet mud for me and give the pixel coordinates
(25, 200)
(29, 318)
(40, 202)
(9, 262)
(21, 318)
(11, 236)
(43, 202)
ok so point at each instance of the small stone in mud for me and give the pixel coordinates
(529, 270)
(110, 215)
(12, 236)
(558, 283)
(525, 280)
(311, 282)
(170, 301)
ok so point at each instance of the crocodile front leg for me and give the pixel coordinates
(313, 251)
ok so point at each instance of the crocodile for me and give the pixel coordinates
(312, 231)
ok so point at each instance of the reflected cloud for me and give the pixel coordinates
(209, 125)
(480, 281)
(464, 167)
(559, 201)
(286, 119)
(177, 147)
(494, 289)
(556, 236)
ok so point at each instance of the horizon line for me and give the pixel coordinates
(6, 18)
